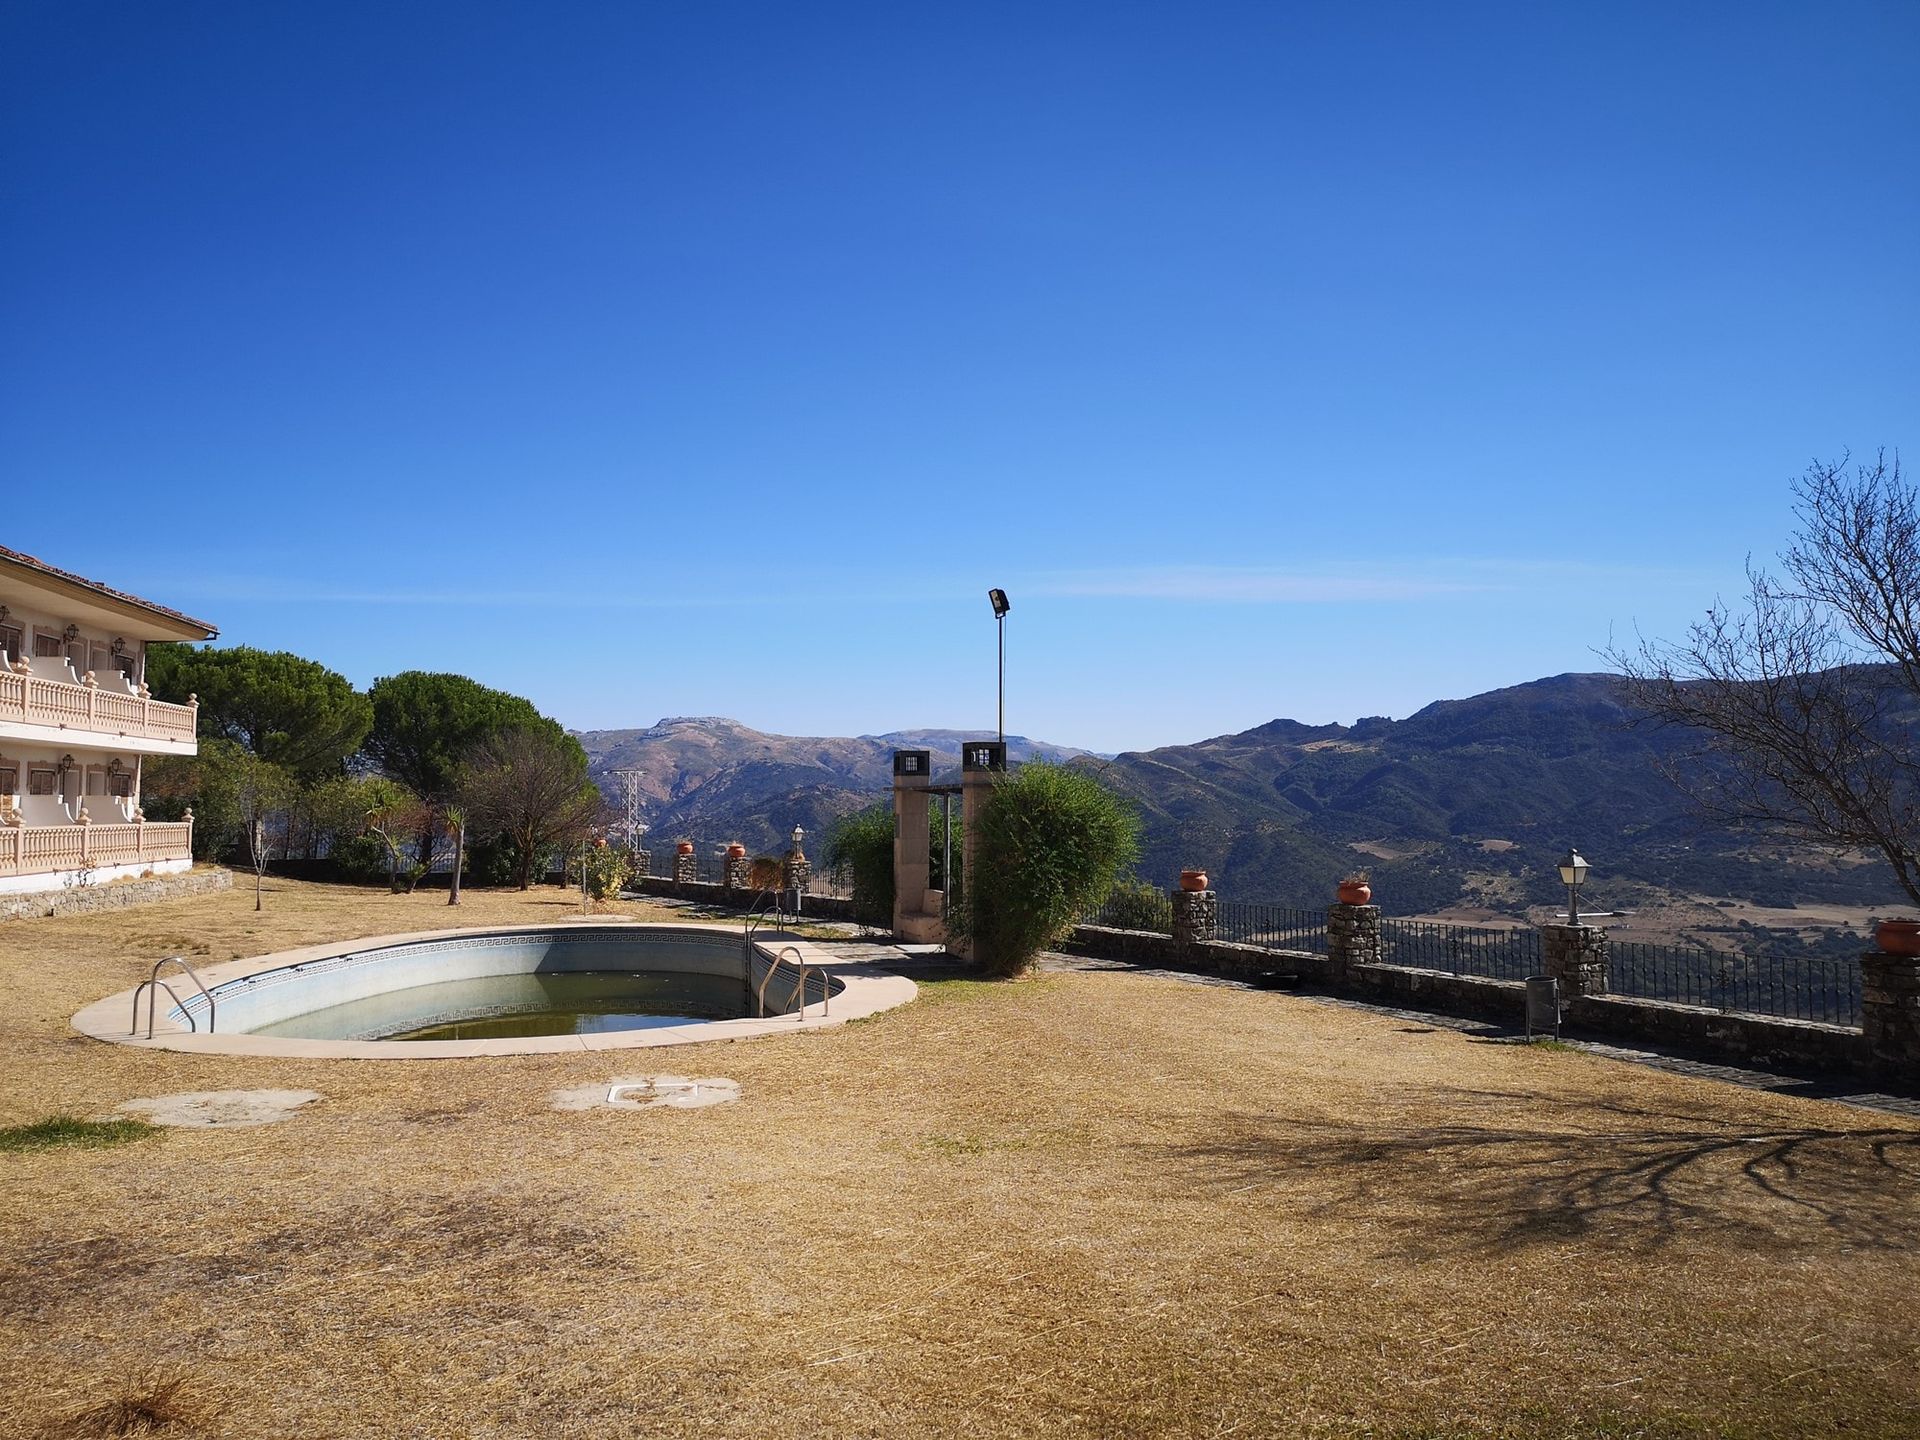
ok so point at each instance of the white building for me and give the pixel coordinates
(76, 726)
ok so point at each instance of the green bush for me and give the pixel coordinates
(1137, 904)
(361, 859)
(1052, 841)
(608, 871)
(860, 856)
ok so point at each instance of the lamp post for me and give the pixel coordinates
(1573, 870)
(998, 599)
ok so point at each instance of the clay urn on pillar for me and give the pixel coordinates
(685, 847)
(1898, 937)
(1193, 880)
(1354, 890)
(736, 851)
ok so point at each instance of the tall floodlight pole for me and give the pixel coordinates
(998, 599)
(630, 793)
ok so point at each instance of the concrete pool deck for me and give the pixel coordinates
(864, 991)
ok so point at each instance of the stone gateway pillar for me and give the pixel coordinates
(981, 763)
(912, 774)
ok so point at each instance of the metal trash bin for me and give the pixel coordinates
(1543, 1005)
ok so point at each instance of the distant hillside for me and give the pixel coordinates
(1466, 802)
(714, 779)
(1469, 802)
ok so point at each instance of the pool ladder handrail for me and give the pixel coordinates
(799, 984)
(153, 985)
(767, 905)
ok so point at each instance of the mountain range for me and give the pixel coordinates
(1466, 803)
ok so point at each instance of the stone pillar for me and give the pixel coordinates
(1890, 1012)
(734, 871)
(981, 762)
(642, 864)
(1576, 956)
(1195, 916)
(795, 870)
(1353, 937)
(912, 774)
(686, 867)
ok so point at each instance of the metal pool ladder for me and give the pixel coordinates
(799, 985)
(153, 985)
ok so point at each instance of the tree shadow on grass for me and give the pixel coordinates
(1599, 1172)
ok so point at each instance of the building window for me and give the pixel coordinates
(124, 664)
(46, 647)
(9, 780)
(120, 784)
(43, 782)
(10, 641)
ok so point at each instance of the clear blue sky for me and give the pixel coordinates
(709, 358)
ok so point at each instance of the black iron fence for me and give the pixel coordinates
(1493, 954)
(1789, 987)
(1278, 927)
(1130, 908)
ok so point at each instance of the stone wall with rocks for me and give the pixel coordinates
(115, 895)
(1891, 1043)
(813, 907)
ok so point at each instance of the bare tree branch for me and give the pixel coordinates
(1805, 699)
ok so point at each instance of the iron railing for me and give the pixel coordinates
(1277, 927)
(1787, 987)
(1132, 910)
(1493, 954)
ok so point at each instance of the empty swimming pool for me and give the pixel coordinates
(526, 989)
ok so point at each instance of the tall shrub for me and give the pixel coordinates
(1052, 841)
(860, 855)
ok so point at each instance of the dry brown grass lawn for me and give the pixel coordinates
(1088, 1204)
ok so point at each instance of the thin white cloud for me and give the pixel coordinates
(1251, 585)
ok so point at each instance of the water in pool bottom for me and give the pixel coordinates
(562, 1002)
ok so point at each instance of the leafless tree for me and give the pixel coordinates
(531, 787)
(1805, 697)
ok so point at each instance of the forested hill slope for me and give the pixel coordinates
(1467, 801)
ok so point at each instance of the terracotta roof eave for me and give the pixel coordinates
(120, 597)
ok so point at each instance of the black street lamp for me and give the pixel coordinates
(1573, 870)
(998, 599)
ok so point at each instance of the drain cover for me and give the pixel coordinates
(645, 1092)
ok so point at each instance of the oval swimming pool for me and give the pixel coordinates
(576, 979)
(512, 990)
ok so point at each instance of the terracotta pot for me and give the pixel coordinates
(1354, 892)
(736, 852)
(1193, 879)
(685, 847)
(1898, 937)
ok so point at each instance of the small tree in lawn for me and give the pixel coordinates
(395, 817)
(1050, 843)
(455, 819)
(530, 785)
(237, 795)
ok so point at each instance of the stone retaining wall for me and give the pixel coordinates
(115, 895)
(1741, 1039)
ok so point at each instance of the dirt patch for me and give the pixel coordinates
(220, 1109)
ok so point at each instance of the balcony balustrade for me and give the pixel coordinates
(37, 849)
(35, 700)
